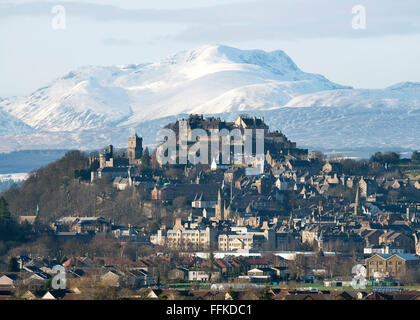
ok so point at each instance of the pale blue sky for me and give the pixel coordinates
(318, 36)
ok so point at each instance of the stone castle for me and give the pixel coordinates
(107, 158)
(275, 143)
(122, 165)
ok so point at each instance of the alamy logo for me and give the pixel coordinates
(58, 22)
(359, 19)
(220, 147)
(359, 279)
(59, 280)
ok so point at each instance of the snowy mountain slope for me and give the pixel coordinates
(13, 177)
(187, 81)
(94, 106)
(337, 130)
(97, 97)
(403, 95)
(78, 100)
(83, 139)
(9, 123)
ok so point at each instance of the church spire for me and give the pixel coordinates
(356, 202)
(219, 206)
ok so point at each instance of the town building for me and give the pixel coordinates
(391, 265)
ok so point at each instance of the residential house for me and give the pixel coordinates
(9, 280)
(395, 265)
(112, 278)
(198, 275)
(398, 240)
(178, 273)
(81, 225)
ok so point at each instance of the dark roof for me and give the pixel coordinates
(12, 276)
(111, 169)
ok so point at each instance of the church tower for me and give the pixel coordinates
(135, 149)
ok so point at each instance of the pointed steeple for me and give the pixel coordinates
(227, 212)
(248, 208)
(290, 223)
(219, 207)
(356, 201)
(213, 165)
(231, 190)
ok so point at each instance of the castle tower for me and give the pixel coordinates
(102, 160)
(106, 158)
(135, 149)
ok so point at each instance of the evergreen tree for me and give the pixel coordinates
(415, 157)
(4, 212)
(10, 230)
(212, 260)
(13, 265)
(237, 271)
(387, 157)
(145, 158)
(6, 226)
(48, 285)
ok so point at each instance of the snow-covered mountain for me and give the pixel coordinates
(217, 77)
(79, 100)
(93, 106)
(11, 124)
(403, 95)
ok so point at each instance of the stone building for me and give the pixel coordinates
(135, 150)
(185, 237)
(250, 239)
(394, 265)
(189, 191)
(106, 158)
(276, 141)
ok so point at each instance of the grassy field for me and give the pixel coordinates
(414, 174)
(411, 170)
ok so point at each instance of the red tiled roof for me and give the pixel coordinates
(222, 264)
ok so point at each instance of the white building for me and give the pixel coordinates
(243, 238)
(182, 237)
(198, 275)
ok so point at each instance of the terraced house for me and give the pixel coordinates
(391, 265)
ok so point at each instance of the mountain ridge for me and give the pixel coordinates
(94, 104)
